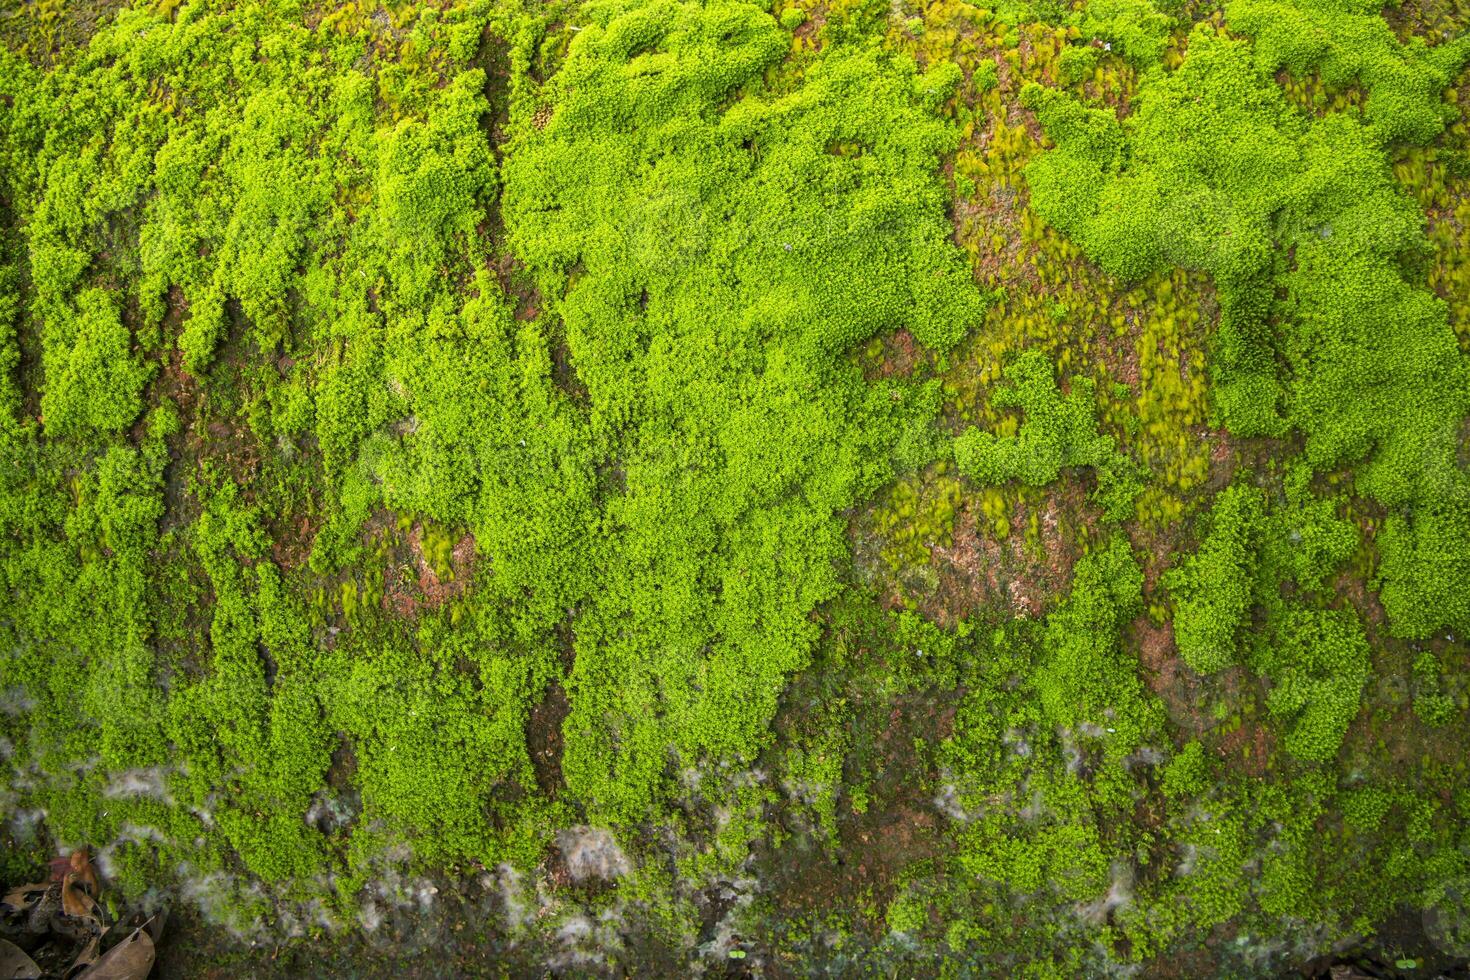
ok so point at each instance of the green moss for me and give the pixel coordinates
(1137, 29)
(1431, 704)
(1085, 678)
(1058, 432)
(1186, 776)
(1215, 172)
(1318, 663)
(94, 379)
(1215, 589)
(704, 326)
(1352, 44)
(425, 430)
(1077, 63)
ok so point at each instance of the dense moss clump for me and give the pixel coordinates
(1044, 820)
(95, 379)
(1057, 432)
(1351, 44)
(1316, 660)
(711, 256)
(1215, 171)
(705, 260)
(1215, 589)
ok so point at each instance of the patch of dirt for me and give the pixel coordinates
(215, 430)
(872, 853)
(411, 583)
(343, 768)
(44, 33)
(881, 843)
(901, 354)
(806, 33)
(976, 571)
(1222, 462)
(518, 286)
(177, 385)
(544, 738)
(1354, 590)
(1165, 672)
(982, 220)
(888, 754)
(1120, 354)
(1183, 966)
(494, 57)
(1188, 697)
(291, 542)
(456, 936)
(1248, 748)
(233, 447)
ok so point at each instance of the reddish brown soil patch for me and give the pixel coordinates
(1156, 650)
(1248, 748)
(1355, 591)
(1120, 353)
(980, 220)
(427, 590)
(516, 283)
(976, 571)
(291, 542)
(901, 355)
(1186, 695)
(816, 19)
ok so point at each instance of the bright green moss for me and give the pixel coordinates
(1136, 29)
(907, 913)
(1365, 808)
(1316, 660)
(1426, 563)
(94, 380)
(1045, 767)
(377, 390)
(1085, 678)
(1214, 590)
(987, 76)
(1351, 43)
(1317, 663)
(1057, 432)
(1219, 175)
(1187, 773)
(1431, 704)
(710, 253)
(1306, 539)
(1077, 62)
(433, 175)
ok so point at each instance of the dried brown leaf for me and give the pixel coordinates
(25, 897)
(15, 964)
(74, 899)
(81, 864)
(131, 959)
